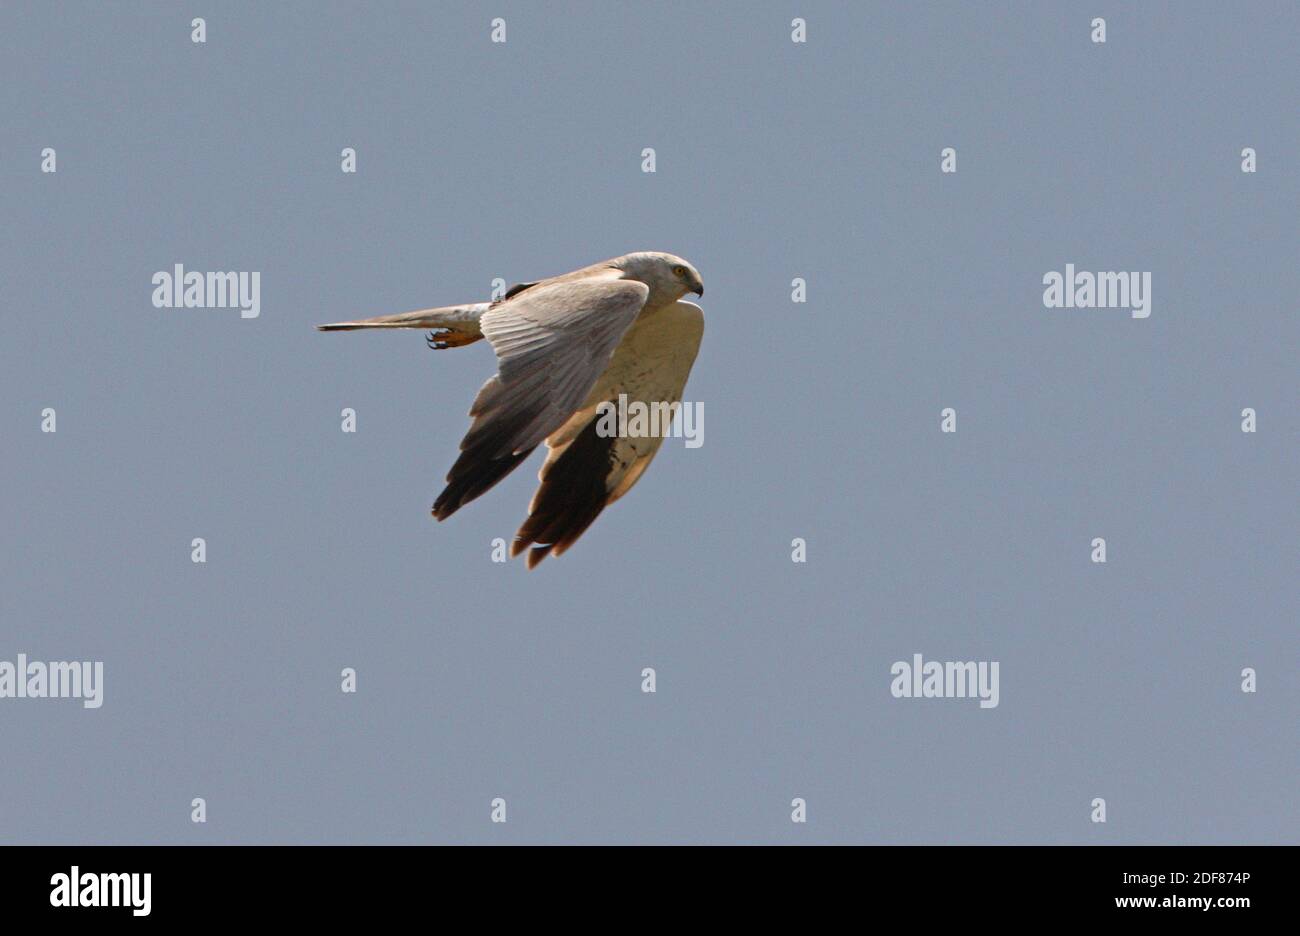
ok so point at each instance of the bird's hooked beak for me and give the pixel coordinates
(697, 287)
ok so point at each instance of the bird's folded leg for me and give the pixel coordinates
(441, 338)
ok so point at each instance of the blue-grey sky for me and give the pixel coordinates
(774, 160)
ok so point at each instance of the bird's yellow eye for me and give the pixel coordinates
(679, 271)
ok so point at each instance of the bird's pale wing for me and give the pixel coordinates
(552, 342)
(586, 469)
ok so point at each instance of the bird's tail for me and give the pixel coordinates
(451, 326)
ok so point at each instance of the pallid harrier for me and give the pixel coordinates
(564, 346)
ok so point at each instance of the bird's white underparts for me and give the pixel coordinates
(566, 347)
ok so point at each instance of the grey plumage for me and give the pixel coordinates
(563, 346)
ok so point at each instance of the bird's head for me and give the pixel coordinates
(669, 277)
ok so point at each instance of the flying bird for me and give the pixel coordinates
(564, 346)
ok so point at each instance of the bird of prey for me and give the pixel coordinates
(564, 346)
